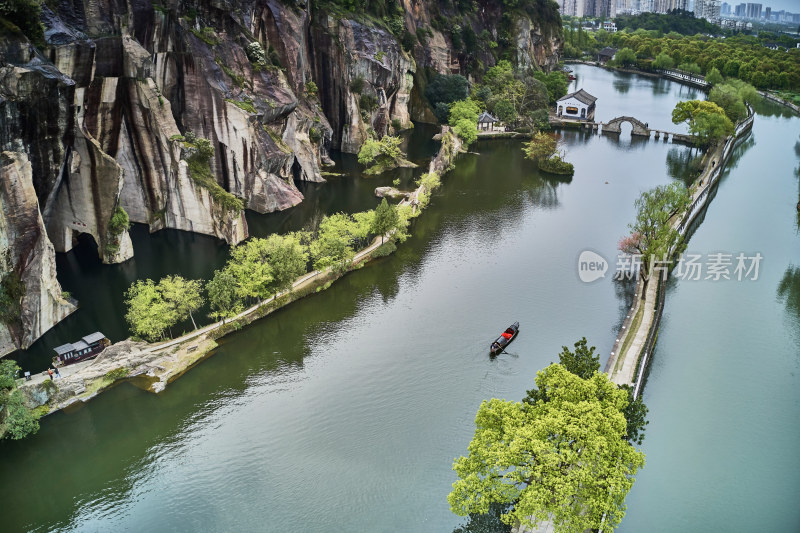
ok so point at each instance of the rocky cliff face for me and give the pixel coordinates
(27, 257)
(365, 79)
(100, 112)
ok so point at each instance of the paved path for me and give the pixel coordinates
(624, 374)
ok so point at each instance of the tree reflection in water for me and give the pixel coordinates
(789, 291)
(486, 523)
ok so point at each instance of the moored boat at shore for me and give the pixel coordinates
(86, 348)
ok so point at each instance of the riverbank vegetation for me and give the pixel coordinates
(519, 98)
(707, 121)
(569, 437)
(739, 56)
(652, 237)
(382, 155)
(543, 148)
(733, 96)
(258, 269)
(17, 421)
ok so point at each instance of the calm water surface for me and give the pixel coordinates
(724, 386)
(344, 411)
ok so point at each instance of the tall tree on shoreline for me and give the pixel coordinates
(564, 460)
(652, 236)
(222, 295)
(185, 296)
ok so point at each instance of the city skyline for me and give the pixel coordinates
(792, 6)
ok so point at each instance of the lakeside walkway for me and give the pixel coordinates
(627, 362)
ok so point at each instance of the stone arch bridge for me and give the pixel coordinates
(614, 126)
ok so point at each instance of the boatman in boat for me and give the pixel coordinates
(495, 346)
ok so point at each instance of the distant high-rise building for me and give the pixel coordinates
(665, 6)
(707, 9)
(741, 10)
(753, 11)
(725, 9)
(767, 14)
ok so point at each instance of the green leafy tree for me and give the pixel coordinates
(505, 112)
(466, 130)
(564, 460)
(381, 155)
(706, 120)
(8, 374)
(555, 82)
(362, 227)
(583, 362)
(690, 67)
(541, 146)
(24, 15)
(663, 61)
(652, 233)
(222, 295)
(714, 77)
(149, 314)
(12, 290)
(184, 296)
(447, 88)
(491, 522)
(728, 98)
(19, 420)
(464, 120)
(464, 109)
(333, 245)
(249, 264)
(625, 57)
(385, 219)
(288, 258)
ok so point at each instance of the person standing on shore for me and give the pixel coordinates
(50, 373)
(58, 374)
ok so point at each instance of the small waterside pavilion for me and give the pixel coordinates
(486, 122)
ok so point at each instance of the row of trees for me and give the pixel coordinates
(735, 57)
(564, 454)
(257, 269)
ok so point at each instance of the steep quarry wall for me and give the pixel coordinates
(27, 259)
(99, 114)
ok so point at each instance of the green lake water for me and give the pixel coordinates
(344, 411)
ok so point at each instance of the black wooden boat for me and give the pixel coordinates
(504, 339)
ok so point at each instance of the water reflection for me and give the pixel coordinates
(622, 85)
(683, 165)
(789, 291)
(486, 523)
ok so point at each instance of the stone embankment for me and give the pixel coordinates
(629, 356)
(154, 366)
